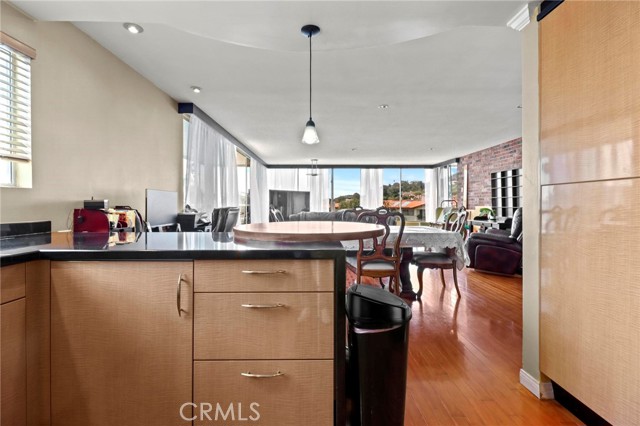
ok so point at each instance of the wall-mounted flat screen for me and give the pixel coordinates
(161, 207)
(289, 202)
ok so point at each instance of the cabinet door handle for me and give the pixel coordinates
(272, 306)
(277, 271)
(178, 296)
(262, 376)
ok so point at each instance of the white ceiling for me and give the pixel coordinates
(449, 71)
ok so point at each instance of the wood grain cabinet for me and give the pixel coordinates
(263, 342)
(121, 342)
(13, 346)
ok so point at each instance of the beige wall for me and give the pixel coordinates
(531, 202)
(99, 128)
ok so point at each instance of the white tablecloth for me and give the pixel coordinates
(432, 239)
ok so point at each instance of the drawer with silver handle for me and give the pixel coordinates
(265, 393)
(277, 275)
(263, 326)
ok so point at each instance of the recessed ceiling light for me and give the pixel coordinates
(520, 19)
(196, 89)
(133, 28)
(383, 106)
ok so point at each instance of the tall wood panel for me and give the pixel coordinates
(590, 91)
(38, 291)
(590, 219)
(13, 366)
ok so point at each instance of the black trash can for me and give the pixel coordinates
(377, 356)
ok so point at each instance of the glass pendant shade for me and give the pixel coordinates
(310, 135)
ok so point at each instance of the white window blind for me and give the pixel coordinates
(15, 105)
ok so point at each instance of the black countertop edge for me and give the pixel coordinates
(20, 258)
(177, 255)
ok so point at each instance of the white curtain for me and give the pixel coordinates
(430, 194)
(286, 180)
(259, 193)
(443, 183)
(371, 188)
(320, 191)
(212, 175)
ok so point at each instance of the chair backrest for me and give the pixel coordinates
(215, 216)
(386, 218)
(456, 222)
(275, 215)
(225, 219)
(231, 219)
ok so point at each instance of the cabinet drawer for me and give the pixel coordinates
(300, 329)
(12, 282)
(236, 276)
(303, 394)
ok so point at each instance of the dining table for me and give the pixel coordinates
(420, 237)
(349, 233)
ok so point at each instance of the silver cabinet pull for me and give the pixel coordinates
(178, 296)
(271, 306)
(278, 271)
(262, 376)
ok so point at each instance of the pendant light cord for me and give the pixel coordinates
(310, 35)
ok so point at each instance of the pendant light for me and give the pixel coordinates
(310, 135)
(314, 168)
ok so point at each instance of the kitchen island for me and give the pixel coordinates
(170, 328)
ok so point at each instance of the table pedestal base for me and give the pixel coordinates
(406, 291)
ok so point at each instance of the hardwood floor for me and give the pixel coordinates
(465, 356)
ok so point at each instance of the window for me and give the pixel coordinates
(346, 188)
(403, 191)
(15, 115)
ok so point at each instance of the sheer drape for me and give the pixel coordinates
(287, 179)
(443, 183)
(320, 191)
(212, 175)
(371, 188)
(259, 193)
(430, 194)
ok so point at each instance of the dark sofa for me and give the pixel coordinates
(498, 251)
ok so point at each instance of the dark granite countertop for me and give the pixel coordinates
(153, 246)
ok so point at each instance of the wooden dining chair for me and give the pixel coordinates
(445, 259)
(375, 261)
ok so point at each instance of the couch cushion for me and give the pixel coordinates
(516, 225)
(317, 216)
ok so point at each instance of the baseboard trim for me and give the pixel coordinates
(542, 390)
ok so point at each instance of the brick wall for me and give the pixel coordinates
(481, 164)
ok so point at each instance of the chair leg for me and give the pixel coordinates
(382, 282)
(396, 280)
(455, 279)
(442, 277)
(420, 272)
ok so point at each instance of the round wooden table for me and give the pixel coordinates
(307, 231)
